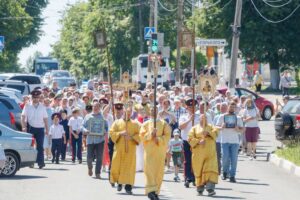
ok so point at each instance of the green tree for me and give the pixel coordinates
(20, 23)
(276, 44)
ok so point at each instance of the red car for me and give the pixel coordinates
(265, 106)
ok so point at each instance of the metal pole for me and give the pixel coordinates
(235, 42)
(179, 28)
(155, 73)
(193, 65)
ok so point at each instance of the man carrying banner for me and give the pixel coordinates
(124, 158)
(155, 142)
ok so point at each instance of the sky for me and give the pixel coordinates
(51, 27)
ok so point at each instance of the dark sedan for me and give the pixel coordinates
(287, 121)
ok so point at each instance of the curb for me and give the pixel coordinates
(285, 165)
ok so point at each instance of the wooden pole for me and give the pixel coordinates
(110, 82)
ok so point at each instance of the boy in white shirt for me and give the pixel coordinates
(56, 133)
(75, 126)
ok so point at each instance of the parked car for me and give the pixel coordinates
(33, 81)
(265, 106)
(63, 81)
(287, 121)
(10, 113)
(21, 86)
(46, 78)
(59, 74)
(11, 94)
(19, 150)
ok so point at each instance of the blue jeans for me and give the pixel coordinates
(230, 158)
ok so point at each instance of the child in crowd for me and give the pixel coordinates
(64, 122)
(56, 133)
(175, 148)
(75, 127)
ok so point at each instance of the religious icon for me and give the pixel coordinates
(230, 121)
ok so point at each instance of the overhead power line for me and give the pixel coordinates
(274, 21)
(277, 6)
(166, 9)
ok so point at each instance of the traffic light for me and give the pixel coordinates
(154, 42)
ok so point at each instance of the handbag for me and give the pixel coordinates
(2, 158)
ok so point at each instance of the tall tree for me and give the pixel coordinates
(20, 23)
(261, 40)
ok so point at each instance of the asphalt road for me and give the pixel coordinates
(255, 180)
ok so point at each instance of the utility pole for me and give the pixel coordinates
(141, 28)
(235, 43)
(193, 49)
(156, 16)
(179, 29)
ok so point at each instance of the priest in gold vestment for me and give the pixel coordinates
(155, 142)
(125, 134)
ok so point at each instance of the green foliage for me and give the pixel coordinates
(20, 23)
(260, 40)
(201, 60)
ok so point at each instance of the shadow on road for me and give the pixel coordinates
(54, 169)
(22, 177)
(226, 197)
(247, 183)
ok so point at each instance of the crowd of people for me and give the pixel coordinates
(204, 136)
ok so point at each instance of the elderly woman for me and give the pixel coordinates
(202, 139)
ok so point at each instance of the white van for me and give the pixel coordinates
(140, 67)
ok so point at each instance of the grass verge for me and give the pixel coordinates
(290, 153)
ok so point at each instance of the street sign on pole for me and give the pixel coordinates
(1, 43)
(210, 42)
(148, 32)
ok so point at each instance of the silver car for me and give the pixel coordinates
(19, 150)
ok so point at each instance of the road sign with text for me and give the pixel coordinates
(210, 42)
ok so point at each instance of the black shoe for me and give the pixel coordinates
(187, 184)
(73, 161)
(80, 161)
(200, 190)
(129, 192)
(57, 162)
(200, 193)
(224, 177)
(211, 192)
(119, 188)
(156, 196)
(52, 161)
(112, 185)
(42, 166)
(232, 180)
(194, 184)
(152, 196)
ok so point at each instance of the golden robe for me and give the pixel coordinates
(204, 157)
(123, 165)
(154, 154)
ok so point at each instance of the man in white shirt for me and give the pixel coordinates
(185, 125)
(231, 126)
(35, 121)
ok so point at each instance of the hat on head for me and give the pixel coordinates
(103, 100)
(189, 102)
(36, 93)
(63, 111)
(76, 109)
(55, 114)
(72, 84)
(118, 105)
(176, 132)
(58, 96)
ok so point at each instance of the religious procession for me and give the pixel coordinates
(195, 131)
